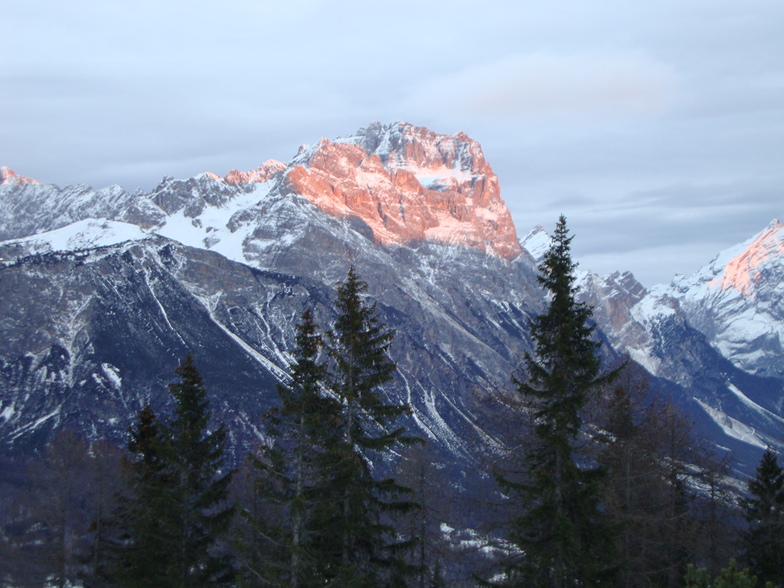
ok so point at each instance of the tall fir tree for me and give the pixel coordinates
(138, 542)
(366, 550)
(561, 531)
(177, 512)
(764, 511)
(291, 480)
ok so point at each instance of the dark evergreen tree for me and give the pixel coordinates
(139, 539)
(177, 512)
(764, 511)
(562, 534)
(310, 418)
(291, 481)
(366, 551)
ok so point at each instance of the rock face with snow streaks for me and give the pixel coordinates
(110, 288)
(105, 290)
(408, 185)
(738, 302)
(675, 332)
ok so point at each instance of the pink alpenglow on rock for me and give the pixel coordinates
(408, 185)
(261, 174)
(9, 176)
(742, 272)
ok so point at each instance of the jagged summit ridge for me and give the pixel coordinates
(736, 302)
(403, 145)
(265, 172)
(396, 184)
(536, 242)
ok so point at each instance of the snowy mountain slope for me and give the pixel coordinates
(461, 314)
(737, 300)
(93, 335)
(107, 290)
(660, 331)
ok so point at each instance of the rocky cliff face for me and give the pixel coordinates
(408, 185)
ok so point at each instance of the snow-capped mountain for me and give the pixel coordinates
(108, 290)
(737, 301)
(715, 334)
(105, 291)
(657, 331)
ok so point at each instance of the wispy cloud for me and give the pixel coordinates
(576, 85)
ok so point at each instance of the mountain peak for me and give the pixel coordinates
(408, 184)
(10, 177)
(537, 242)
(261, 174)
(403, 145)
(744, 271)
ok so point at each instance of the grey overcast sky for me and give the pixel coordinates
(657, 128)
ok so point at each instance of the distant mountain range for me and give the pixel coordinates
(104, 291)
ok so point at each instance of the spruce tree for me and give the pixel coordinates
(764, 511)
(561, 531)
(138, 539)
(177, 510)
(291, 478)
(362, 539)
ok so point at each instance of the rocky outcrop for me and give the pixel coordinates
(265, 172)
(408, 185)
(745, 271)
(9, 176)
